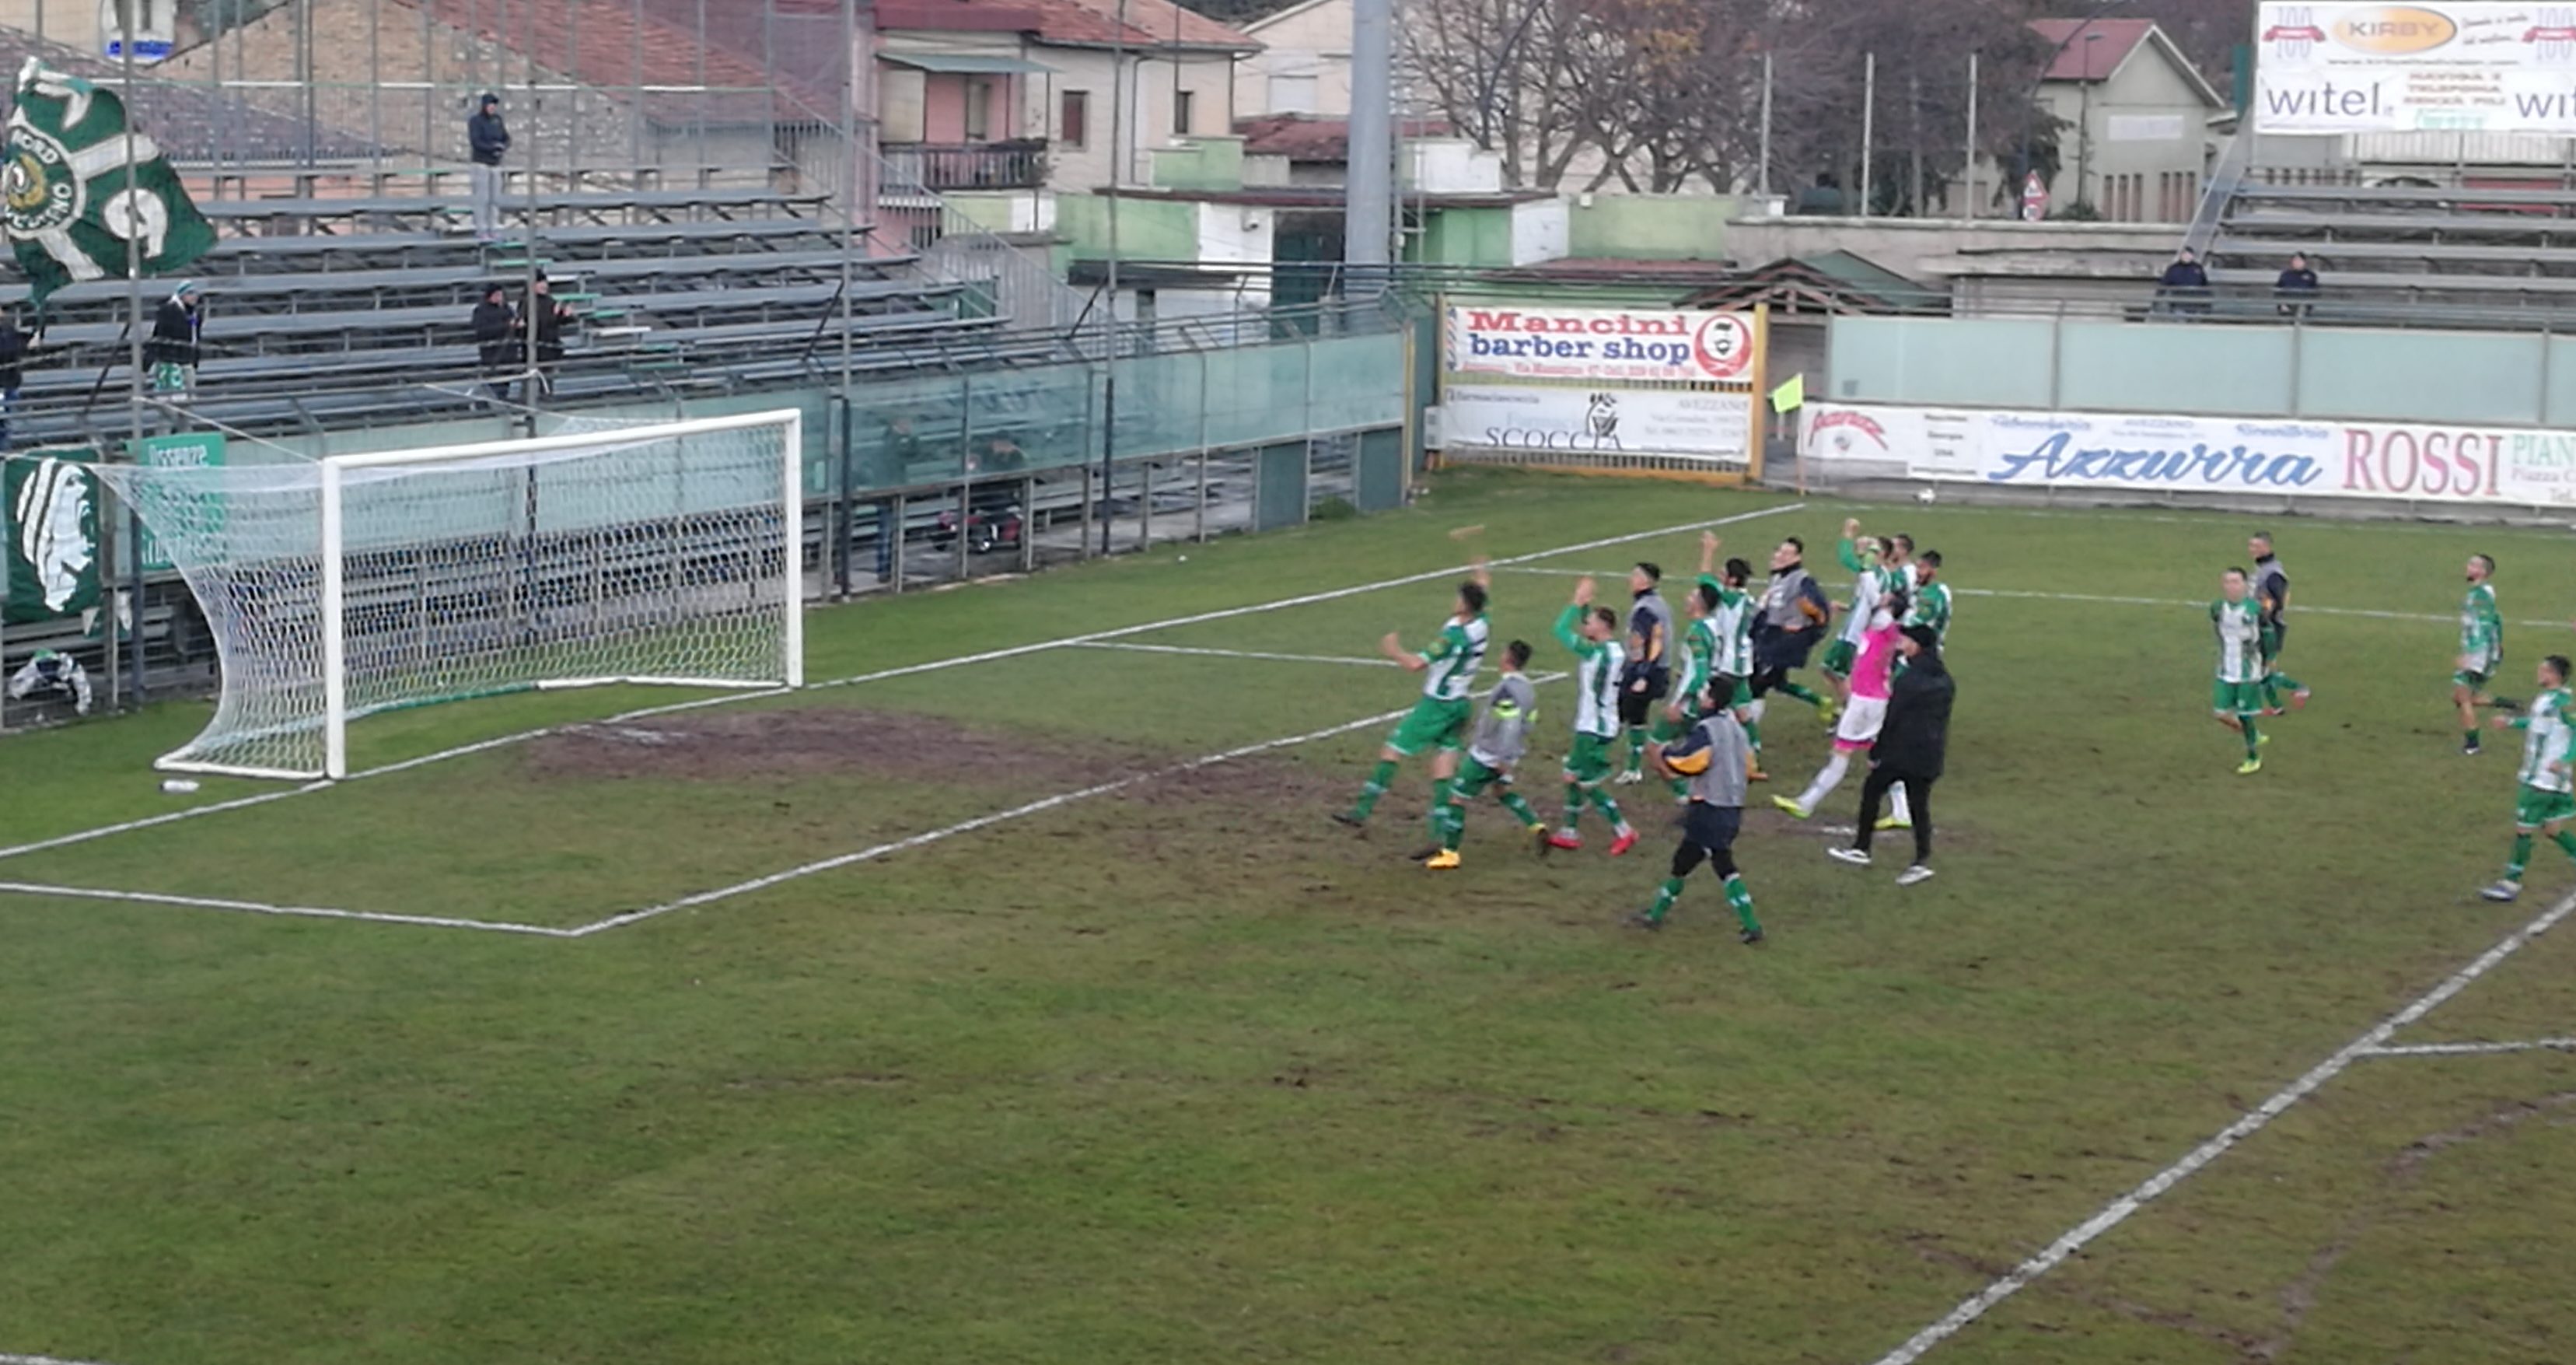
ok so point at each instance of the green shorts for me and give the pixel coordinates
(1473, 777)
(2469, 678)
(2235, 699)
(2534, 808)
(1432, 724)
(1741, 691)
(1838, 658)
(1589, 760)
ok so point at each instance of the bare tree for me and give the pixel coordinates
(1504, 74)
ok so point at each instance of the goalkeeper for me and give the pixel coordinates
(1502, 737)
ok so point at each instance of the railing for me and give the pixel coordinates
(1014, 165)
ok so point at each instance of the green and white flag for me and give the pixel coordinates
(67, 200)
(52, 556)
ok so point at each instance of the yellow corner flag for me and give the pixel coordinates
(1792, 393)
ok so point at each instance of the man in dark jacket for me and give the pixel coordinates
(487, 137)
(2184, 285)
(172, 351)
(1911, 743)
(492, 327)
(2297, 286)
(543, 319)
(1787, 621)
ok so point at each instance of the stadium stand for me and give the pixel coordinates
(2400, 255)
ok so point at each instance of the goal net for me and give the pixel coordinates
(362, 583)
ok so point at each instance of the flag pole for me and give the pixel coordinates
(129, 12)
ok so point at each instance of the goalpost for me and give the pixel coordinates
(670, 553)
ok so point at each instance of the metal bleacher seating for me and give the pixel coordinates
(2400, 255)
(324, 312)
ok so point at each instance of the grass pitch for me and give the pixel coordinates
(1177, 1070)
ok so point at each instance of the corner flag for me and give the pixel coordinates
(1792, 393)
(70, 200)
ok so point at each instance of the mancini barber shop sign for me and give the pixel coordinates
(1631, 345)
(2417, 462)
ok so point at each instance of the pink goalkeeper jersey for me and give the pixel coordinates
(1877, 654)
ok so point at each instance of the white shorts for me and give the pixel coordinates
(1858, 728)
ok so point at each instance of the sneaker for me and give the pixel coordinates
(2249, 766)
(1343, 817)
(1643, 920)
(2469, 743)
(2267, 712)
(1857, 857)
(2261, 740)
(1914, 875)
(2503, 891)
(1425, 854)
(1891, 822)
(2299, 700)
(1749, 937)
(1826, 710)
(1566, 841)
(1629, 778)
(2504, 703)
(1627, 840)
(1441, 860)
(1790, 804)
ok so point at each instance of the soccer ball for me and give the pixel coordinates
(1925, 495)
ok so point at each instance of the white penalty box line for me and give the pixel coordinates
(878, 675)
(2372, 1043)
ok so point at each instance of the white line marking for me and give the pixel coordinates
(6, 1359)
(2118, 1210)
(2473, 1049)
(1042, 804)
(1243, 654)
(262, 908)
(907, 670)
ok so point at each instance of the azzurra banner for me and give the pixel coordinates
(2283, 457)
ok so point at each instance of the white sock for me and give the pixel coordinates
(1896, 805)
(1827, 778)
(1755, 706)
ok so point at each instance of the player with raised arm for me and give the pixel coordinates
(1713, 757)
(1438, 722)
(1649, 671)
(1717, 646)
(2548, 797)
(2481, 650)
(2236, 697)
(1502, 736)
(1857, 730)
(1878, 568)
(2272, 594)
(1593, 634)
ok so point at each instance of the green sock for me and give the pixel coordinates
(1379, 777)
(2521, 857)
(1801, 692)
(1665, 895)
(1520, 809)
(2566, 841)
(1440, 803)
(1449, 822)
(1573, 806)
(1609, 810)
(2272, 692)
(2282, 680)
(1636, 748)
(2253, 736)
(1740, 897)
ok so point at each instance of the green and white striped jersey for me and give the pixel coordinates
(2240, 640)
(1874, 578)
(2545, 737)
(1596, 677)
(2481, 628)
(1732, 629)
(1454, 658)
(1931, 607)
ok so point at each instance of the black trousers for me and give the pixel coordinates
(1918, 795)
(1708, 835)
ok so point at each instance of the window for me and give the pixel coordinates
(1074, 128)
(979, 110)
(1295, 95)
(1184, 103)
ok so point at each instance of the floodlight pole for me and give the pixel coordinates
(127, 532)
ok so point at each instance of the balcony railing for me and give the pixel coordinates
(1020, 164)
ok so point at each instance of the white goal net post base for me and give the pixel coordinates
(669, 554)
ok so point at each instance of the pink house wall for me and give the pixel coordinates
(943, 106)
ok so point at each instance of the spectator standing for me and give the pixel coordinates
(492, 329)
(1824, 199)
(13, 357)
(543, 319)
(2185, 285)
(1912, 743)
(2297, 287)
(488, 138)
(172, 352)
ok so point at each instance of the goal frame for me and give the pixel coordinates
(333, 590)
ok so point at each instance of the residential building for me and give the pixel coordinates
(2138, 139)
(1304, 66)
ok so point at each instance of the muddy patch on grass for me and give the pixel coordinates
(904, 746)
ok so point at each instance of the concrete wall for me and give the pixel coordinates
(1657, 227)
(1938, 248)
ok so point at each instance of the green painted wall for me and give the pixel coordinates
(1659, 227)
(1205, 163)
(1474, 237)
(1148, 229)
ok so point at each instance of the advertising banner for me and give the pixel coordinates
(1629, 345)
(2435, 67)
(201, 450)
(2420, 462)
(52, 559)
(1626, 421)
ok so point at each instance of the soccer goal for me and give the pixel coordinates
(355, 584)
